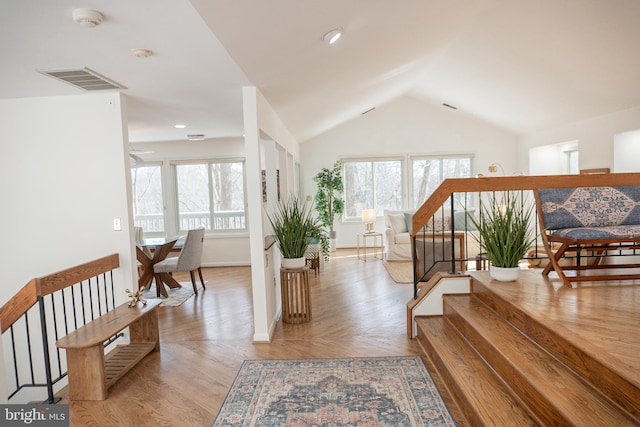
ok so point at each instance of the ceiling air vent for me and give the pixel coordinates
(83, 78)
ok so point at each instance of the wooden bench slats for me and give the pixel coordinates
(121, 359)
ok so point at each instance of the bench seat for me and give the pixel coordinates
(588, 222)
(616, 232)
(90, 371)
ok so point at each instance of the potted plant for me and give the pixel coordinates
(328, 202)
(319, 236)
(504, 233)
(293, 224)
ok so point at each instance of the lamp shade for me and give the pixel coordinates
(368, 215)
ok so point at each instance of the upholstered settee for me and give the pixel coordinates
(397, 240)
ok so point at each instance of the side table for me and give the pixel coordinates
(482, 261)
(296, 297)
(312, 257)
(362, 245)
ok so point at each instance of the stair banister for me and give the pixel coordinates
(508, 183)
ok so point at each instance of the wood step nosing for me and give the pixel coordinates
(612, 384)
(527, 371)
(466, 395)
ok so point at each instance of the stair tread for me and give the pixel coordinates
(555, 382)
(473, 377)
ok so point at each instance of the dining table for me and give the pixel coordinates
(149, 252)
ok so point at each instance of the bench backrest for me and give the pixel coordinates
(588, 206)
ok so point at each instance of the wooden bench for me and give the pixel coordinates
(589, 222)
(91, 372)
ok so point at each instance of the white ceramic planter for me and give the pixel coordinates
(293, 262)
(332, 241)
(503, 274)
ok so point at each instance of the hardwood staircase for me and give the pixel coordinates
(501, 366)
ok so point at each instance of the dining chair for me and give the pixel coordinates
(139, 234)
(189, 259)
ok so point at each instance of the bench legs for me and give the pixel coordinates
(91, 372)
(145, 330)
(594, 254)
(87, 373)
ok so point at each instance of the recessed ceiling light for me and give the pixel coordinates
(195, 137)
(179, 126)
(332, 36)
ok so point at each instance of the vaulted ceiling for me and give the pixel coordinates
(521, 65)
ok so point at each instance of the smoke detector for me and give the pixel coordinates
(141, 53)
(87, 18)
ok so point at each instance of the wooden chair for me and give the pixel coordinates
(189, 259)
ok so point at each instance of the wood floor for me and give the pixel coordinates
(357, 311)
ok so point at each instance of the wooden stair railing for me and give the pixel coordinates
(451, 186)
(34, 292)
(485, 184)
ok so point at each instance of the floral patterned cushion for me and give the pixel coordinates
(595, 233)
(592, 212)
(438, 223)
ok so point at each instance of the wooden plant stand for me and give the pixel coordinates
(296, 298)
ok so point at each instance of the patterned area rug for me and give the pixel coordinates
(176, 296)
(377, 391)
(400, 271)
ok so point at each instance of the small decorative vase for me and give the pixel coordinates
(293, 263)
(504, 274)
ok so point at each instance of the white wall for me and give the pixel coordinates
(64, 175)
(268, 144)
(219, 249)
(626, 152)
(595, 136)
(550, 159)
(405, 126)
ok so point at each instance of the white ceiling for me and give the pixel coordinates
(522, 65)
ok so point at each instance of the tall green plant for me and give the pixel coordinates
(328, 202)
(504, 229)
(292, 223)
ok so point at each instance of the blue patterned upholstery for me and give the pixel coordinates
(591, 212)
(592, 225)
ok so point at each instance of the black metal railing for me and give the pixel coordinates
(448, 241)
(44, 311)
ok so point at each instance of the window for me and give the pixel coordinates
(372, 184)
(148, 206)
(429, 172)
(211, 195)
